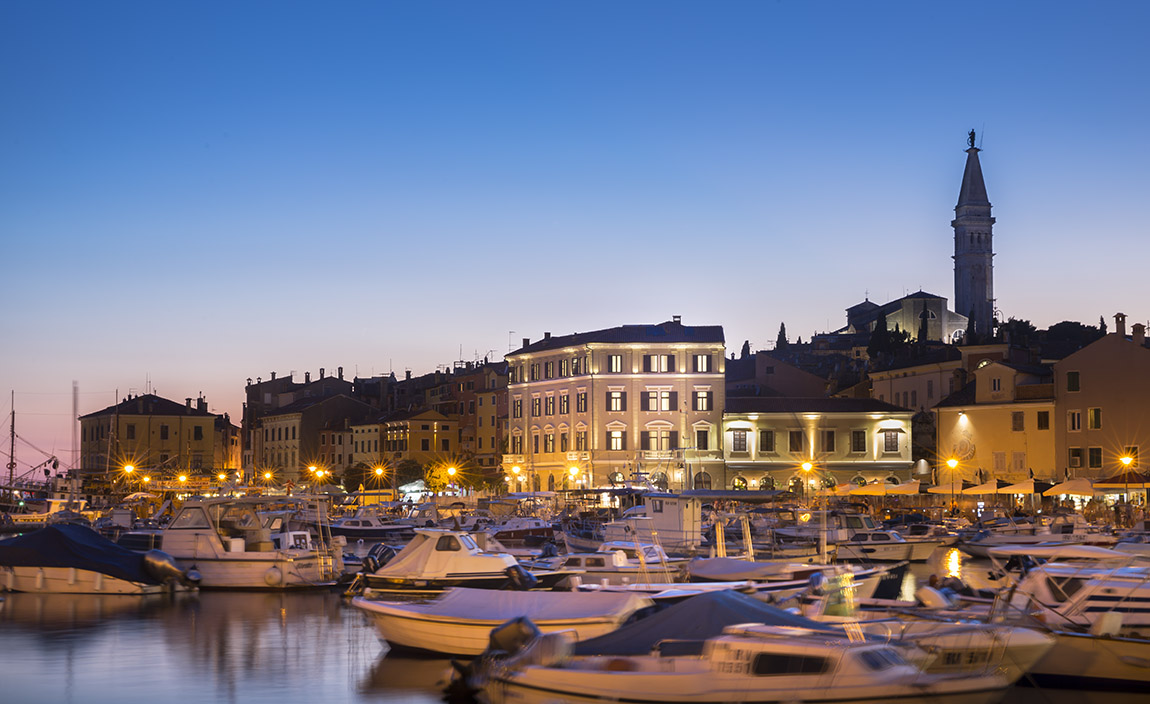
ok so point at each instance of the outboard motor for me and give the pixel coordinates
(378, 556)
(160, 566)
(519, 579)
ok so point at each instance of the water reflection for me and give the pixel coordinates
(395, 678)
(215, 646)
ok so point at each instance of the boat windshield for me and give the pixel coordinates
(881, 658)
(468, 542)
(780, 664)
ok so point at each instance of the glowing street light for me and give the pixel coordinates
(952, 463)
(146, 479)
(129, 468)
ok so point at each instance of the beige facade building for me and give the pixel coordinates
(288, 440)
(605, 407)
(1103, 401)
(157, 438)
(767, 440)
(921, 384)
(1000, 426)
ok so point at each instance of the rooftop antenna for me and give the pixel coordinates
(510, 337)
(981, 135)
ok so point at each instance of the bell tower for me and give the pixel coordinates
(973, 247)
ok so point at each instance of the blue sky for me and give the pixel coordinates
(192, 194)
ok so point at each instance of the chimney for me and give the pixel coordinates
(273, 376)
(1120, 324)
(1139, 334)
(676, 319)
(407, 375)
(546, 336)
(249, 381)
(321, 372)
(340, 372)
(188, 403)
(307, 377)
(526, 341)
(201, 404)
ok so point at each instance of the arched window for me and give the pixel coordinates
(858, 480)
(702, 480)
(795, 486)
(659, 480)
(550, 482)
(739, 483)
(767, 483)
(616, 478)
(892, 480)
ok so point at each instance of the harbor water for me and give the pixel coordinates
(234, 647)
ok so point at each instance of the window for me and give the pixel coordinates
(703, 400)
(702, 480)
(536, 406)
(615, 363)
(564, 367)
(581, 440)
(1072, 381)
(858, 441)
(1016, 421)
(738, 441)
(517, 444)
(659, 440)
(163, 432)
(996, 384)
(1043, 420)
(1094, 457)
(447, 543)
(534, 372)
(1094, 418)
(702, 363)
(517, 408)
(564, 441)
(659, 363)
(890, 441)
(784, 664)
(581, 402)
(616, 439)
(1074, 420)
(828, 441)
(1131, 451)
(999, 461)
(549, 370)
(929, 389)
(565, 404)
(535, 443)
(549, 442)
(445, 444)
(198, 432)
(616, 400)
(702, 439)
(913, 398)
(549, 408)
(766, 441)
(1018, 461)
(131, 431)
(425, 444)
(1075, 456)
(659, 400)
(795, 441)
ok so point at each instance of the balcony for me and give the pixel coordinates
(1034, 392)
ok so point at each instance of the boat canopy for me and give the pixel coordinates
(695, 618)
(730, 569)
(498, 605)
(68, 545)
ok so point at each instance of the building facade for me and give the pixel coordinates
(606, 407)
(768, 440)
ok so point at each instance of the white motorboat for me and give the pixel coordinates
(370, 524)
(74, 559)
(618, 562)
(886, 546)
(519, 530)
(226, 542)
(746, 663)
(437, 558)
(1059, 529)
(460, 621)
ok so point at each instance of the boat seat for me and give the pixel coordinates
(259, 540)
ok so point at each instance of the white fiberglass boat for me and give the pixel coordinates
(887, 546)
(226, 542)
(461, 620)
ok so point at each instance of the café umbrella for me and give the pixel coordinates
(1071, 487)
(994, 486)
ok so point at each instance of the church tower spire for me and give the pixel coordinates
(973, 247)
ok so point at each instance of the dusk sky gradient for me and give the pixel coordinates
(195, 193)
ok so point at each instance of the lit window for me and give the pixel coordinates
(616, 400)
(1094, 418)
(702, 363)
(702, 400)
(739, 441)
(615, 363)
(616, 440)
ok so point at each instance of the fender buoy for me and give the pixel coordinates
(274, 577)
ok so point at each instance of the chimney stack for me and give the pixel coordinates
(273, 376)
(1120, 324)
(1139, 334)
(676, 319)
(307, 377)
(188, 403)
(321, 373)
(546, 336)
(340, 372)
(407, 375)
(526, 341)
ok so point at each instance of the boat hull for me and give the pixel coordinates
(260, 571)
(70, 580)
(1082, 661)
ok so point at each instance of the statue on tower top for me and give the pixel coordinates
(970, 138)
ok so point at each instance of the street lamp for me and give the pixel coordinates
(952, 463)
(807, 468)
(574, 472)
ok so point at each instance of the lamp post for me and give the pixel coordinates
(807, 468)
(1126, 461)
(450, 476)
(952, 463)
(574, 472)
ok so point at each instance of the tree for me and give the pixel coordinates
(1074, 333)
(746, 351)
(781, 341)
(1018, 331)
(1102, 324)
(971, 337)
(879, 337)
(408, 471)
(923, 329)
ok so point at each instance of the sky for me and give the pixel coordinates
(197, 193)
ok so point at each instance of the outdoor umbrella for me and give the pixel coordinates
(1075, 487)
(1030, 486)
(910, 488)
(876, 489)
(954, 486)
(1124, 480)
(139, 496)
(993, 486)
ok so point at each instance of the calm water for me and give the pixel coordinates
(297, 648)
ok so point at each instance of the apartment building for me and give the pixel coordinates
(606, 407)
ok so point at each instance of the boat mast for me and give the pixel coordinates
(12, 449)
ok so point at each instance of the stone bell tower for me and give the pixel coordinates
(973, 247)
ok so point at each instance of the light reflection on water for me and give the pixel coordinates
(215, 647)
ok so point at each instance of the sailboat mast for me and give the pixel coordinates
(12, 449)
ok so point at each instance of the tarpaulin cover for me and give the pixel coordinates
(497, 606)
(68, 545)
(697, 618)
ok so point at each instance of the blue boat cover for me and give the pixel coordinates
(67, 545)
(694, 619)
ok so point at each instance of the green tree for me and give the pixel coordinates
(1102, 324)
(879, 344)
(746, 351)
